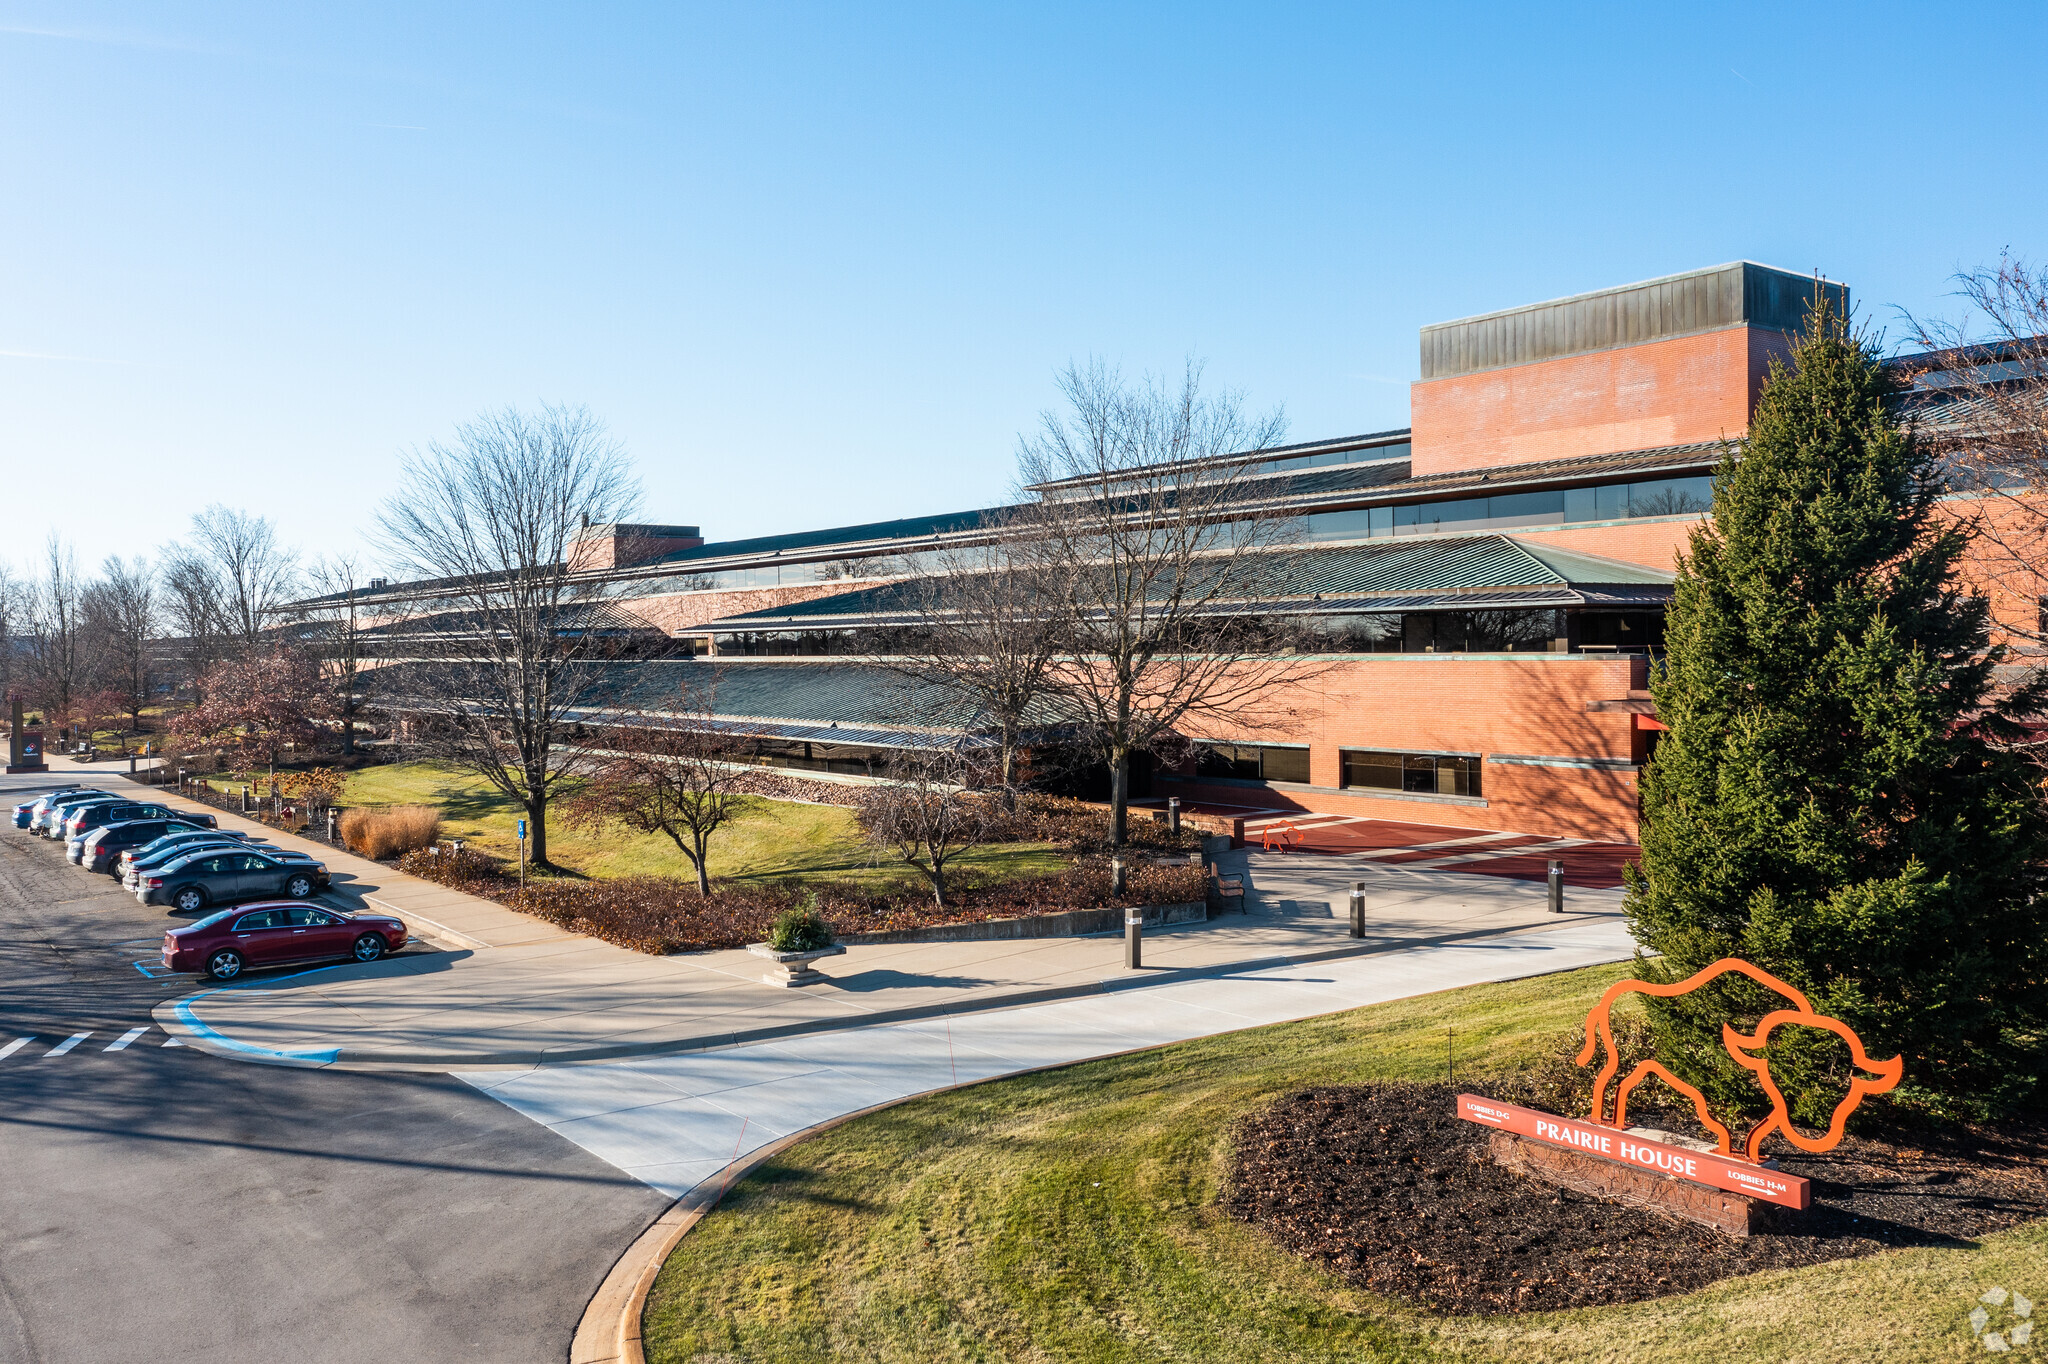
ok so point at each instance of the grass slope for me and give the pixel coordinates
(1071, 1216)
(772, 840)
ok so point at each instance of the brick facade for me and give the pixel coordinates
(678, 613)
(1532, 706)
(1659, 393)
(1654, 542)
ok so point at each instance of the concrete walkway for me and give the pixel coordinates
(673, 1122)
(561, 998)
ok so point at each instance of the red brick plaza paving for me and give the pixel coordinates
(1594, 866)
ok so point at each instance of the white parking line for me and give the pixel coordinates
(126, 1038)
(16, 1045)
(66, 1045)
(172, 1042)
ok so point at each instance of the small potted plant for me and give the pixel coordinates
(798, 937)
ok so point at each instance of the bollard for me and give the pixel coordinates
(245, 800)
(1134, 930)
(330, 824)
(1173, 815)
(1556, 886)
(1358, 909)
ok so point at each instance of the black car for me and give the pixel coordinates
(102, 848)
(156, 859)
(216, 877)
(158, 851)
(83, 820)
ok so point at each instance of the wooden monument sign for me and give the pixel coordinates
(1715, 1185)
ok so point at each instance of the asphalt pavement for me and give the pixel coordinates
(160, 1204)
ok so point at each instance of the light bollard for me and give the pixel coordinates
(1556, 886)
(1134, 933)
(1173, 815)
(1358, 909)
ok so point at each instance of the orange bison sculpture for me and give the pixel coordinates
(1746, 1051)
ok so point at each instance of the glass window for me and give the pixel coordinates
(1339, 525)
(1610, 502)
(308, 918)
(1418, 773)
(1580, 504)
(264, 918)
(1524, 509)
(1372, 769)
(1671, 496)
(1380, 521)
(1253, 762)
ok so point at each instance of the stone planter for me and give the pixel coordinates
(793, 968)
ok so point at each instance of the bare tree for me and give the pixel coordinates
(679, 773)
(121, 611)
(927, 813)
(1983, 405)
(193, 610)
(253, 574)
(14, 616)
(510, 639)
(1167, 564)
(336, 635)
(990, 616)
(58, 654)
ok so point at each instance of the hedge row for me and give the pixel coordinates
(661, 914)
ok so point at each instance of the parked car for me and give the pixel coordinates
(33, 806)
(158, 861)
(100, 849)
(84, 819)
(226, 944)
(51, 808)
(129, 857)
(220, 877)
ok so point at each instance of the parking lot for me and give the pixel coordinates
(275, 1213)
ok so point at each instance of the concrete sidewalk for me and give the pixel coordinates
(562, 998)
(675, 1122)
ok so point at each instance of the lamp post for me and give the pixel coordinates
(1556, 886)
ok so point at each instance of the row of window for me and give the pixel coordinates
(1544, 630)
(1421, 773)
(1507, 511)
(1520, 511)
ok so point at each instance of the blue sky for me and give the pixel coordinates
(817, 265)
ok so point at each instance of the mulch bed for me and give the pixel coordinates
(1385, 1186)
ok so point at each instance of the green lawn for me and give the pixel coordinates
(1072, 1216)
(772, 840)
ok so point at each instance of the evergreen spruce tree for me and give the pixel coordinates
(1833, 800)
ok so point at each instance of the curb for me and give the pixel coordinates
(611, 1328)
(198, 1034)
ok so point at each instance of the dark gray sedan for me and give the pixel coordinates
(215, 876)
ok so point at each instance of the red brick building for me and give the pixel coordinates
(1491, 580)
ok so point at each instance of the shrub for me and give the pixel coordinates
(468, 870)
(801, 928)
(661, 914)
(379, 834)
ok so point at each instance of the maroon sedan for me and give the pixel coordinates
(276, 932)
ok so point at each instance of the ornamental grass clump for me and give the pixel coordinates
(801, 928)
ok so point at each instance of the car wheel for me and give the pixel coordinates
(191, 900)
(369, 947)
(299, 887)
(225, 964)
